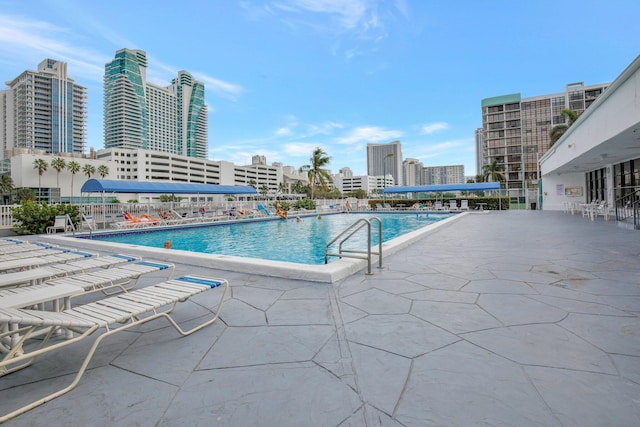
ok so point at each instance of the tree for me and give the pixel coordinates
(103, 171)
(264, 189)
(494, 172)
(24, 194)
(88, 170)
(318, 176)
(299, 187)
(557, 131)
(6, 185)
(74, 168)
(58, 164)
(42, 167)
(253, 184)
(282, 188)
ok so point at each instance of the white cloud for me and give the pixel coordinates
(369, 134)
(434, 127)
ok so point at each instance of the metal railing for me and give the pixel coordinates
(349, 232)
(628, 209)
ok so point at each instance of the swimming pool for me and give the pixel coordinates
(226, 264)
(291, 241)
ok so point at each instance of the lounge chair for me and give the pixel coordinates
(51, 271)
(112, 315)
(115, 277)
(39, 258)
(179, 218)
(464, 205)
(453, 205)
(24, 247)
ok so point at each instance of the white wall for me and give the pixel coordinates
(555, 190)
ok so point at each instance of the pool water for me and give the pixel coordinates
(299, 242)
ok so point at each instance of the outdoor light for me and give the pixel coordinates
(384, 175)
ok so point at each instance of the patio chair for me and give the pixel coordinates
(464, 205)
(453, 205)
(111, 315)
(61, 222)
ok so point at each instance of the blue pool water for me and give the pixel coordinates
(277, 240)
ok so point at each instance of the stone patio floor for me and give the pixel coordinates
(515, 318)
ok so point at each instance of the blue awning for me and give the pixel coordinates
(162, 187)
(479, 186)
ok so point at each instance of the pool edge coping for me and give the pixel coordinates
(326, 273)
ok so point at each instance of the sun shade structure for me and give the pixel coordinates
(480, 186)
(167, 187)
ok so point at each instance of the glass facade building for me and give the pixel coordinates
(43, 110)
(141, 115)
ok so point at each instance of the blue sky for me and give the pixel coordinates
(285, 76)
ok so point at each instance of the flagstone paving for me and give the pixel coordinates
(514, 318)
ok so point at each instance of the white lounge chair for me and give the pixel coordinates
(111, 315)
(25, 247)
(464, 205)
(39, 258)
(116, 277)
(51, 271)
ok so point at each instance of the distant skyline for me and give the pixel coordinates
(285, 76)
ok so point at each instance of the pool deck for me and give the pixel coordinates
(513, 318)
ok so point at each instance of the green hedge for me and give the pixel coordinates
(492, 203)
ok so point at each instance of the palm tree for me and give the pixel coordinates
(282, 188)
(557, 131)
(6, 185)
(88, 170)
(299, 187)
(58, 164)
(103, 171)
(494, 172)
(315, 171)
(42, 166)
(74, 168)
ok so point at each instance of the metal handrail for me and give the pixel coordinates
(347, 233)
(628, 206)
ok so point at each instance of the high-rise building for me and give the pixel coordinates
(515, 130)
(385, 159)
(141, 115)
(412, 171)
(451, 174)
(43, 110)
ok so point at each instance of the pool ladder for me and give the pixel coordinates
(347, 234)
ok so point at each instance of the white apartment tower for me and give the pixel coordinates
(385, 159)
(43, 110)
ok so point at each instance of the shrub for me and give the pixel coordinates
(34, 218)
(307, 204)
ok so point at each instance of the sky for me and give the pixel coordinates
(283, 77)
